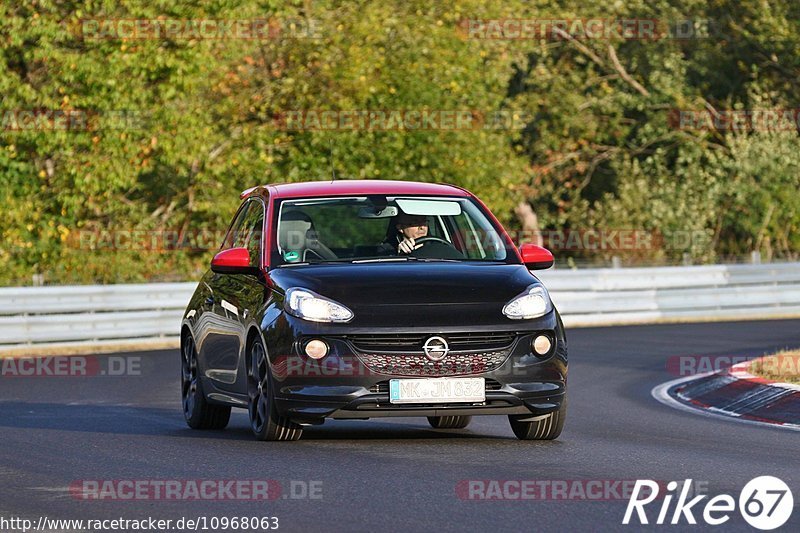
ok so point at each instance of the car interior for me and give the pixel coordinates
(298, 236)
(348, 229)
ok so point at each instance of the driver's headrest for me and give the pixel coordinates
(294, 227)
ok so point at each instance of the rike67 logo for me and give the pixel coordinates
(765, 503)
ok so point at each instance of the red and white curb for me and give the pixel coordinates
(734, 394)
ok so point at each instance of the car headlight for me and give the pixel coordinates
(307, 305)
(533, 303)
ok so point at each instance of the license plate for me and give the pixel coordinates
(438, 390)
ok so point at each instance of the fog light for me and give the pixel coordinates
(542, 344)
(316, 349)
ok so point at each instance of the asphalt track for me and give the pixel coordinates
(399, 474)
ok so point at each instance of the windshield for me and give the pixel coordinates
(381, 228)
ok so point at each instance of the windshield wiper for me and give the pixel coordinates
(405, 258)
(392, 259)
(386, 259)
(317, 262)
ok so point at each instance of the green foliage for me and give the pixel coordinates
(180, 126)
(605, 154)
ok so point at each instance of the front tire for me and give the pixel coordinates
(547, 427)
(449, 422)
(199, 414)
(265, 422)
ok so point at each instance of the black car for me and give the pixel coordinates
(361, 299)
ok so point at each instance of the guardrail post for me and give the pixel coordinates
(755, 257)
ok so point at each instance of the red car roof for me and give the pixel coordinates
(357, 187)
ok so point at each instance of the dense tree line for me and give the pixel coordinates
(110, 128)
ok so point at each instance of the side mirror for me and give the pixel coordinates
(536, 257)
(233, 261)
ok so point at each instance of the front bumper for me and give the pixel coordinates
(344, 386)
(360, 403)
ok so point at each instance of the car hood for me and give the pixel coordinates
(413, 293)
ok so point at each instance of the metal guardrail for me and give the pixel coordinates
(91, 315)
(638, 295)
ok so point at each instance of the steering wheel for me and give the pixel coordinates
(423, 240)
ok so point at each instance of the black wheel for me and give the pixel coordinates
(449, 422)
(199, 414)
(264, 419)
(546, 427)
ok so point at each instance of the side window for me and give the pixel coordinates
(251, 231)
(235, 228)
(473, 240)
(247, 231)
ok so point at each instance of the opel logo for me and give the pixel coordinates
(435, 348)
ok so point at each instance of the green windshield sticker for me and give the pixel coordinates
(291, 256)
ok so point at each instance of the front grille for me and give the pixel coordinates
(382, 387)
(413, 343)
(453, 364)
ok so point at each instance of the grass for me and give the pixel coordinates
(783, 366)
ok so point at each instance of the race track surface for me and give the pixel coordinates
(399, 474)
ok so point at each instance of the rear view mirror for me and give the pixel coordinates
(369, 212)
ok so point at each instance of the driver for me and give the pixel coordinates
(410, 228)
(405, 232)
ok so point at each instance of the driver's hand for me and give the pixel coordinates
(407, 246)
